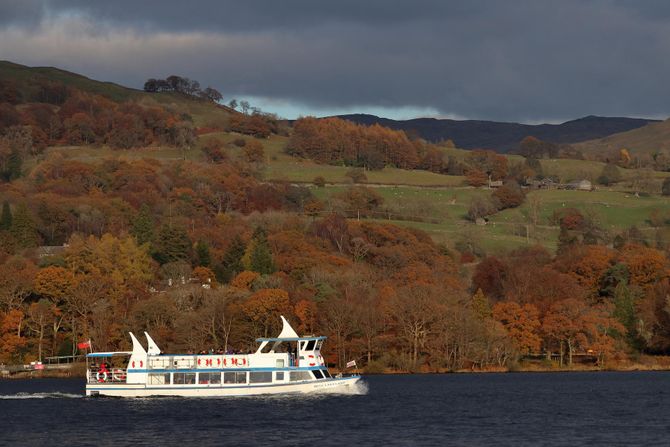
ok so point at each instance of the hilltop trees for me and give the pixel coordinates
(182, 85)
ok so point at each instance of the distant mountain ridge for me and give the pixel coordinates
(505, 137)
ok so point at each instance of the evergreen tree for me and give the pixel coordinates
(172, 245)
(536, 166)
(260, 259)
(665, 190)
(480, 305)
(624, 311)
(232, 260)
(202, 255)
(13, 168)
(6, 217)
(611, 279)
(143, 226)
(23, 228)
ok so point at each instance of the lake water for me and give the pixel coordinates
(558, 409)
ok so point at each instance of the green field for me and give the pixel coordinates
(442, 213)
(89, 154)
(436, 203)
(283, 167)
(614, 210)
(567, 170)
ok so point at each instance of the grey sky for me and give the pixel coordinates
(512, 60)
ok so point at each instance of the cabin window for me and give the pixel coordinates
(209, 378)
(260, 377)
(296, 376)
(234, 377)
(327, 373)
(310, 345)
(279, 363)
(159, 379)
(319, 344)
(279, 377)
(183, 378)
(318, 374)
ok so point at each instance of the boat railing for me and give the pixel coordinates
(113, 375)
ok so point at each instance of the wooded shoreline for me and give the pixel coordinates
(648, 363)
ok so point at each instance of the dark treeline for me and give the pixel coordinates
(186, 86)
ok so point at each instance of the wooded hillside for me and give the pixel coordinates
(121, 214)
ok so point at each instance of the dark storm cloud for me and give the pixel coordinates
(20, 12)
(507, 60)
(256, 15)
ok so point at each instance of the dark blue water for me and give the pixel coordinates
(566, 409)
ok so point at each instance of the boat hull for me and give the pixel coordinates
(342, 385)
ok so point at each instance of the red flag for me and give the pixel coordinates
(84, 345)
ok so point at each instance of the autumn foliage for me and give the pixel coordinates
(336, 141)
(207, 255)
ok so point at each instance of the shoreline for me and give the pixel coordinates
(77, 373)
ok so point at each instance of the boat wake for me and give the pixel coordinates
(360, 388)
(55, 395)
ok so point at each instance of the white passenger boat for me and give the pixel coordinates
(285, 364)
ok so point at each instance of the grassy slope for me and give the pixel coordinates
(281, 166)
(415, 201)
(567, 170)
(644, 140)
(614, 210)
(440, 201)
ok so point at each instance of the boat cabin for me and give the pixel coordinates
(285, 359)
